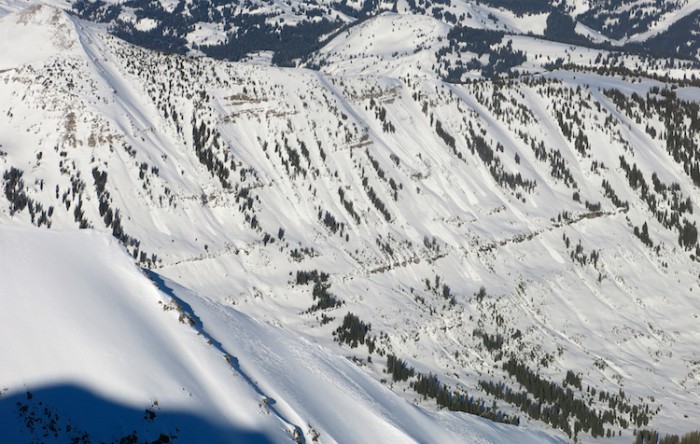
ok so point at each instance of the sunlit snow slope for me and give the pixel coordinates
(90, 338)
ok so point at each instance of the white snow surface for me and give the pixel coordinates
(389, 44)
(33, 34)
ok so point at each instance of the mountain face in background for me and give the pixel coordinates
(354, 222)
(290, 31)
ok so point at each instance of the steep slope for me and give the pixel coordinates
(94, 349)
(97, 354)
(635, 20)
(681, 37)
(496, 236)
(304, 379)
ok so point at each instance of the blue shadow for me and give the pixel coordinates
(71, 414)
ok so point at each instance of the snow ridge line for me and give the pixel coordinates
(196, 323)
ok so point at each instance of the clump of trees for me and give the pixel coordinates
(654, 437)
(320, 292)
(557, 405)
(354, 332)
(14, 190)
(477, 144)
(678, 205)
(398, 368)
(430, 387)
(643, 235)
(462, 39)
(16, 195)
(206, 146)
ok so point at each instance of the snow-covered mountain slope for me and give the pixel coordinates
(634, 20)
(18, 46)
(293, 31)
(529, 242)
(389, 44)
(90, 339)
(95, 352)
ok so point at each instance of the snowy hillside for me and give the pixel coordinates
(635, 20)
(98, 353)
(291, 32)
(95, 343)
(367, 235)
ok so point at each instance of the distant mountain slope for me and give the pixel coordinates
(682, 37)
(293, 31)
(635, 20)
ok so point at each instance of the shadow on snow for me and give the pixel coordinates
(67, 413)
